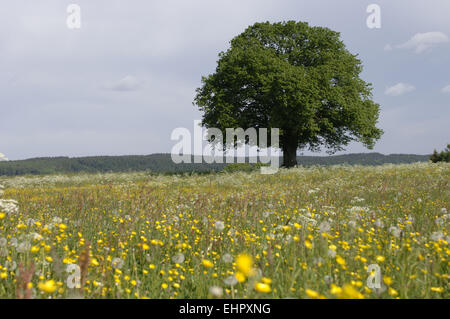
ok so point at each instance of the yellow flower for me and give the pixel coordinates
(3, 275)
(164, 286)
(261, 287)
(2, 215)
(145, 247)
(244, 264)
(380, 259)
(49, 286)
(240, 276)
(340, 260)
(335, 290)
(312, 293)
(266, 280)
(35, 249)
(393, 292)
(437, 289)
(387, 280)
(207, 263)
(349, 292)
(308, 244)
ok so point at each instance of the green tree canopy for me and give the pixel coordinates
(294, 77)
(443, 156)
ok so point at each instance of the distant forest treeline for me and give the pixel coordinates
(162, 163)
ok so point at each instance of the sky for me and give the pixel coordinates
(123, 81)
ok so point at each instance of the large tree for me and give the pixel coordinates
(294, 77)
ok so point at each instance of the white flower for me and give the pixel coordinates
(288, 239)
(331, 253)
(357, 199)
(36, 236)
(379, 223)
(178, 258)
(267, 214)
(9, 206)
(436, 236)
(312, 191)
(230, 281)
(216, 291)
(305, 220)
(324, 227)
(11, 265)
(227, 258)
(56, 220)
(117, 263)
(218, 225)
(175, 219)
(24, 247)
(13, 242)
(358, 209)
(395, 231)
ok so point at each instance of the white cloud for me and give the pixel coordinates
(128, 83)
(422, 42)
(3, 157)
(446, 89)
(399, 89)
(387, 47)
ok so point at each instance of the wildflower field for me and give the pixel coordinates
(301, 233)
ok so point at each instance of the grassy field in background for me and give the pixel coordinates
(301, 233)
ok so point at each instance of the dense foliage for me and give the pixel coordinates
(295, 77)
(443, 156)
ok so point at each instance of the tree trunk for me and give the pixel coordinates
(289, 152)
